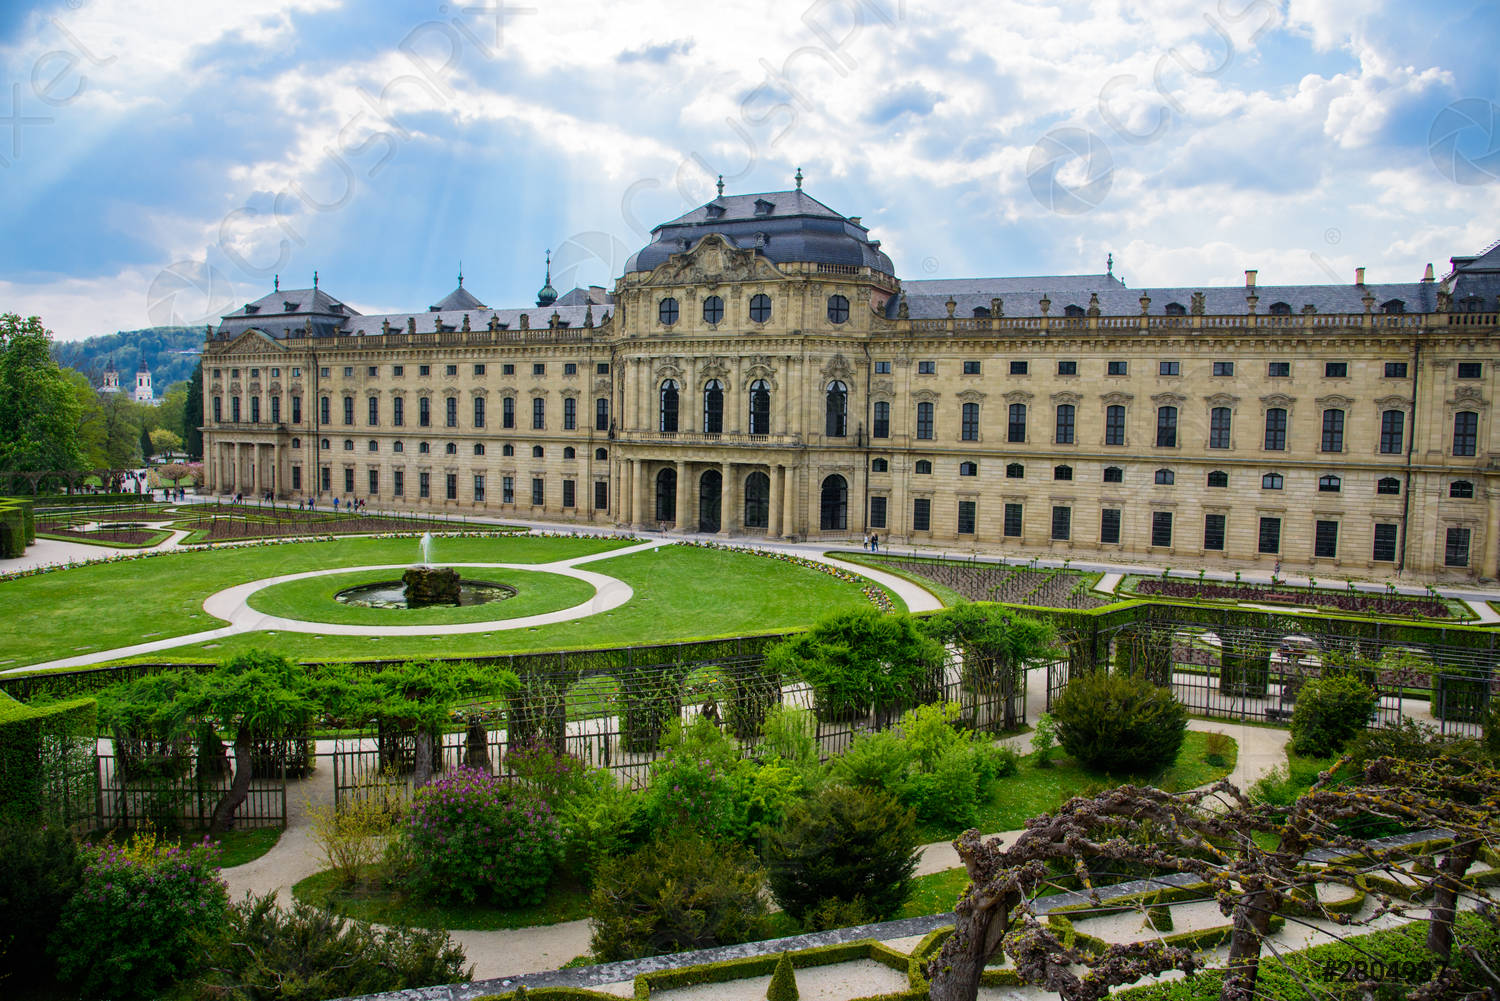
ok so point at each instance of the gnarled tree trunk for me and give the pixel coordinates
(1250, 925)
(1446, 887)
(421, 773)
(239, 788)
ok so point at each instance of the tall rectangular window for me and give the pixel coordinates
(1219, 424)
(1062, 523)
(372, 417)
(348, 481)
(450, 485)
(1465, 433)
(601, 414)
(323, 411)
(276, 410)
(398, 411)
(255, 410)
(1011, 523)
(507, 489)
(965, 517)
(1333, 430)
(1161, 528)
(882, 421)
(1166, 427)
(1275, 430)
(296, 410)
(1326, 539)
(877, 512)
(921, 514)
(924, 420)
(1213, 532)
(1114, 425)
(218, 409)
(478, 488)
(234, 409)
(424, 485)
(570, 414)
(1270, 535)
(1065, 425)
(374, 482)
(1456, 548)
(398, 483)
(538, 413)
(1392, 431)
(296, 477)
(1016, 428)
(424, 412)
(1384, 550)
(601, 495)
(325, 477)
(479, 411)
(450, 415)
(969, 429)
(569, 491)
(348, 410)
(1109, 526)
(538, 492)
(508, 412)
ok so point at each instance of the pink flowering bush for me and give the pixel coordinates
(129, 930)
(468, 837)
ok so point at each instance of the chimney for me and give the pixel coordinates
(1250, 279)
(1359, 276)
(854, 219)
(1427, 276)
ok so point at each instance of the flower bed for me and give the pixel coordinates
(1054, 588)
(1359, 602)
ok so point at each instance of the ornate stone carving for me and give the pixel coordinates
(1168, 399)
(1197, 304)
(1222, 400)
(1072, 398)
(1117, 399)
(925, 396)
(838, 367)
(1018, 396)
(1278, 400)
(1335, 400)
(971, 396)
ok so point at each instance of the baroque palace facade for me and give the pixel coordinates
(759, 370)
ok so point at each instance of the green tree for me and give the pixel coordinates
(192, 413)
(163, 440)
(122, 432)
(997, 648)
(39, 412)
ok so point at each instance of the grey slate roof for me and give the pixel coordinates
(459, 299)
(1477, 277)
(794, 227)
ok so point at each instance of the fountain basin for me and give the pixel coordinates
(397, 593)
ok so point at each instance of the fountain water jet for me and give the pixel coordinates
(430, 585)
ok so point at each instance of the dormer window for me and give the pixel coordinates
(336, 308)
(1470, 304)
(1176, 309)
(1071, 310)
(763, 207)
(249, 309)
(1281, 309)
(290, 307)
(1393, 306)
(981, 312)
(715, 211)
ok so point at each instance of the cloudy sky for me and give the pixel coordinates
(161, 160)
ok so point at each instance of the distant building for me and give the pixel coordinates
(111, 378)
(143, 393)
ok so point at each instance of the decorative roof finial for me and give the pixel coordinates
(721, 185)
(547, 295)
(549, 265)
(276, 284)
(460, 273)
(315, 281)
(799, 178)
(1110, 264)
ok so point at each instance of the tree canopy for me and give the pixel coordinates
(39, 410)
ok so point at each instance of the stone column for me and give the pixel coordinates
(234, 478)
(682, 496)
(642, 504)
(789, 503)
(727, 508)
(1485, 567)
(773, 523)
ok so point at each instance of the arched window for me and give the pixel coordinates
(1281, 309)
(569, 452)
(1388, 485)
(398, 447)
(601, 454)
(1330, 484)
(836, 410)
(1166, 427)
(924, 421)
(1461, 488)
(757, 500)
(713, 309)
(666, 311)
(507, 450)
(348, 444)
(760, 307)
(423, 448)
(1015, 471)
(479, 448)
(536, 452)
(834, 504)
(1176, 309)
(1114, 474)
(1073, 310)
(713, 407)
(450, 449)
(1165, 477)
(838, 309)
(924, 467)
(668, 422)
(880, 466)
(296, 442)
(1062, 472)
(666, 495)
(1218, 478)
(1393, 306)
(372, 445)
(760, 407)
(1271, 481)
(325, 445)
(968, 469)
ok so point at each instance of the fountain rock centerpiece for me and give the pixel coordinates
(431, 586)
(425, 585)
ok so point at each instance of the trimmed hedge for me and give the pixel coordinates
(17, 526)
(46, 761)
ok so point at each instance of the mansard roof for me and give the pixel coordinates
(460, 299)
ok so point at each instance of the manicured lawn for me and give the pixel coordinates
(370, 901)
(313, 599)
(681, 593)
(240, 847)
(115, 604)
(1033, 791)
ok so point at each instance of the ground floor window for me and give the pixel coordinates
(568, 493)
(507, 489)
(601, 495)
(1109, 526)
(538, 492)
(1161, 528)
(877, 512)
(757, 500)
(834, 504)
(374, 482)
(1213, 532)
(921, 514)
(1385, 544)
(966, 517)
(1326, 539)
(424, 485)
(1012, 521)
(398, 483)
(451, 484)
(326, 477)
(478, 488)
(1062, 523)
(1456, 548)
(296, 477)
(1270, 535)
(666, 495)
(348, 481)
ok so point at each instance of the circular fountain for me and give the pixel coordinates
(425, 585)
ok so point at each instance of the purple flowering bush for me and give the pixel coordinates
(468, 837)
(129, 930)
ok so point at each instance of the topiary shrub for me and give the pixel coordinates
(676, 895)
(39, 875)
(1330, 712)
(469, 837)
(308, 953)
(1119, 723)
(844, 843)
(783, 986)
